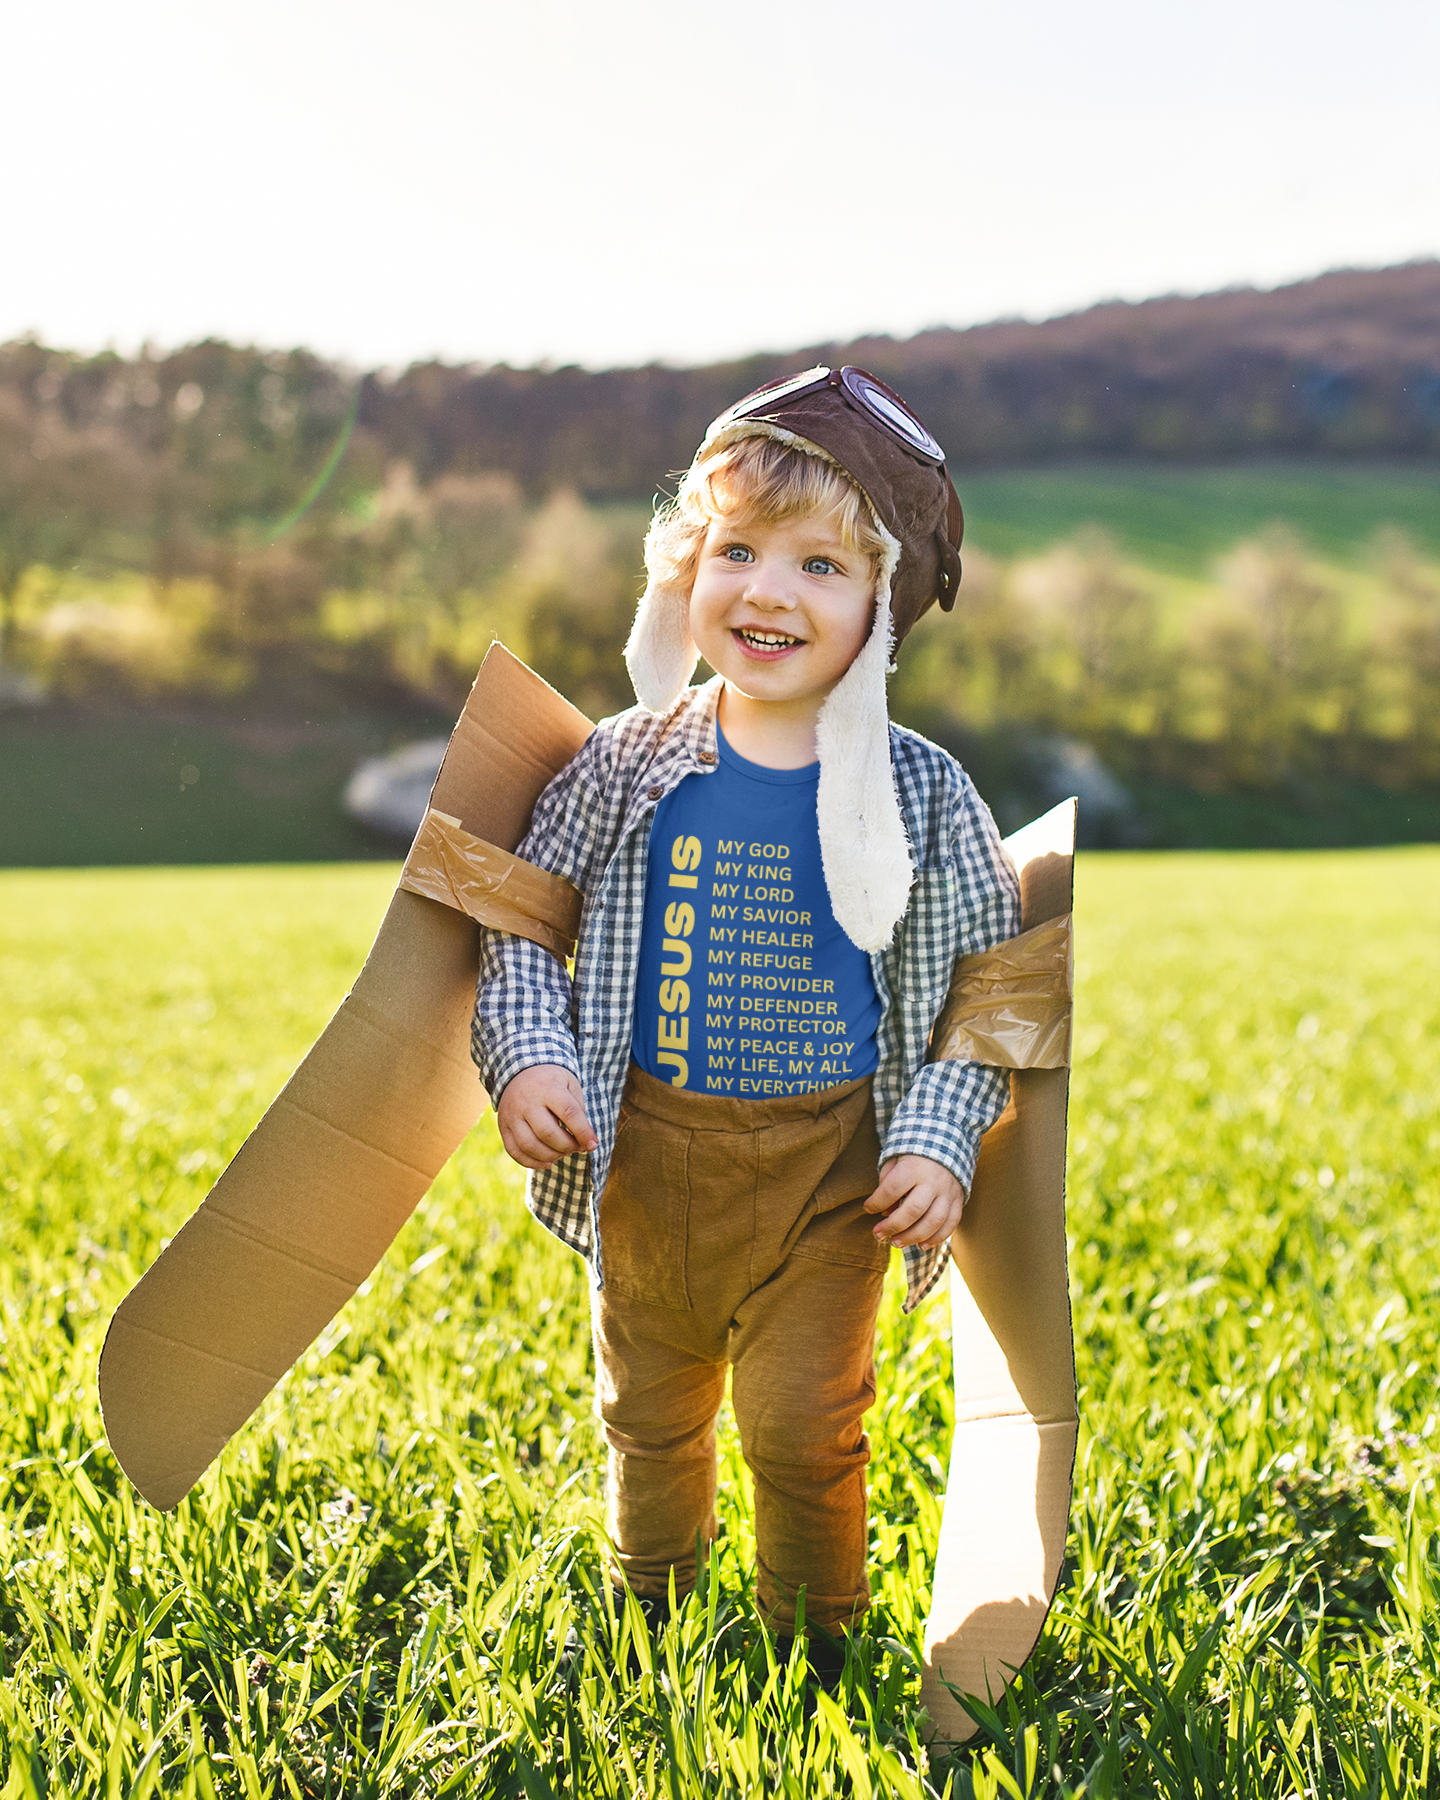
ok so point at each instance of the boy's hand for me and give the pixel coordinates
(921, 1200)
(542, 1116)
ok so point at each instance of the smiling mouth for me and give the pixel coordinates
(767, 643)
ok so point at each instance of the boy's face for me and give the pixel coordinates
(781, 611)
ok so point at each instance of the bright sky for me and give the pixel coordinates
(612, 183)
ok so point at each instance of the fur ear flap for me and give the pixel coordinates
(863, 844)
(660, 653)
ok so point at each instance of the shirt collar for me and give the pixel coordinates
(691, 740)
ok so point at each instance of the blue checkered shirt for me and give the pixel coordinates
(592, 825)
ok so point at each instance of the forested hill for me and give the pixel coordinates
(1347, 364)
(211, 438)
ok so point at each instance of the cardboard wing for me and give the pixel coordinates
(341, 1159)
(1012, 1459)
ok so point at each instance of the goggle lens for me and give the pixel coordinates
(889, 410)
(778, 393)
(884, 408)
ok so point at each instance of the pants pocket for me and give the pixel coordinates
(645, 1213)
(855, 1172)
(844, 1233)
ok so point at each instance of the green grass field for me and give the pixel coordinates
(370, 1594)
(1181, 519)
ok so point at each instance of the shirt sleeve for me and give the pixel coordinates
(951, 1105)
(523, 997)
(522, 1011)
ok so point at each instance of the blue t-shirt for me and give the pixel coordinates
(747, 985)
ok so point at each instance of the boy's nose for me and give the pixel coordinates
(769, 589)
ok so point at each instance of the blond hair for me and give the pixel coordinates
(763, 479)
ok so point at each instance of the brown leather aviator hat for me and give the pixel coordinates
(848, 418)
(872, 434)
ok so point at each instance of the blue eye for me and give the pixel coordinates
(737, 553)
(819, 565)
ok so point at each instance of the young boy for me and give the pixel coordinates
(729, 1111)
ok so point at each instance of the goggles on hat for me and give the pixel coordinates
(881, 405)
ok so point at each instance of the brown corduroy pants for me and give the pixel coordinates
(733, 1232)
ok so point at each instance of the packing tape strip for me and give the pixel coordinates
(495, 888)
(1011, 1006)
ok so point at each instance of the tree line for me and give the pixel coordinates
(266, 528)
(1347, 364)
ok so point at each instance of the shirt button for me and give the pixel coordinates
(654, 793)
(708, 756)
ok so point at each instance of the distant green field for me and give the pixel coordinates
(1180, 519)
(101, 788)
(371, 1593)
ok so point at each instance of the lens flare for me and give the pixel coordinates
(322, 480)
